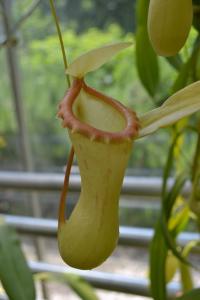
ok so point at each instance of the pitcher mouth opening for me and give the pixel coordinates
(71, 122)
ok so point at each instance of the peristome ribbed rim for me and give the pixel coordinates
(76, 126)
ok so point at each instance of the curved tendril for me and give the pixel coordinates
(62, 205)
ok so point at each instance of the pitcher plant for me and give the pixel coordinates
(102, 132)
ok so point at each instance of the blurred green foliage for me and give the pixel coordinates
(82, 15)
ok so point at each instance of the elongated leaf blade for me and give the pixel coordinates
(169, 165)
(167, 205)
(15, 275)
(186, 278)
(95, 58)
(158, 256)
(147, 64)
(171, 266)
(178, 221)
(182, 78)
(181, 104)
(169, 200)
(146, 59)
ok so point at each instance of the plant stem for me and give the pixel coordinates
(53, 11)
(61, 215)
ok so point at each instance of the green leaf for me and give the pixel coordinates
(77, 284)
(15, 274)
(158, 256)
(187, 67)
(167, 205)
(171, 266)
(169, 164)
(183, 103)
(179, 220)
(146, 59)
(186, 278)
(185, 270)
(160, 245)
(169, 200)
(191, 295)
(171, 244)
(182, 78)
(95, 58)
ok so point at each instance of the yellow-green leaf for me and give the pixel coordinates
(95, 58)
(171, 266)
(183, 103)
(186, 277)
(180, 215)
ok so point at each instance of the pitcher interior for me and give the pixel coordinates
(97, 113)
